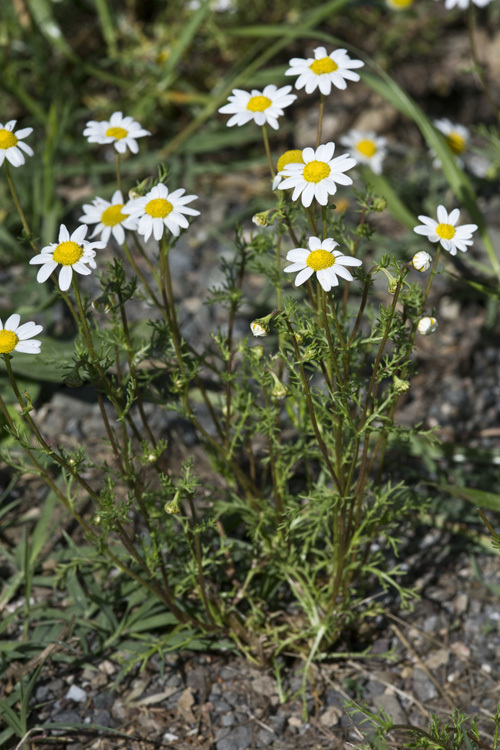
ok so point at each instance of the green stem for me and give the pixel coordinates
(320, 120)
(118, 174)
(268, 152)
(19, 208)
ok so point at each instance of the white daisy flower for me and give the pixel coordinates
(426, 326)
(323, 70)
(465, 3)
(14, 338)
(109, 218)
(160, 209)
(399, 4)
(457, 138)
(119, 130)
(421, 261)
(260, 106)
(445, 231)
(366, 147)
(73, 252)
(316, 178)
(11, 144)
(322, 259)
(294, 156)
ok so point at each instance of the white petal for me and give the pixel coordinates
(305, 274)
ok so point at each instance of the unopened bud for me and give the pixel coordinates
(262, 219)
(421, 261)
(400, 386)
(102, 304)
(379, 203)
(172, 507)
(392, 286)
(279, 390)
(258, 329)
(257, 351)
(426, 326)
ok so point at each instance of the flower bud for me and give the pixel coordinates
(392, 286)
(258, 329)
(426, 326)
(400, 386)
(261, 326)
(102, 304)
(262, 219)
(279, 390)
(172, 507)
(421, 261)
(257, 351)
(379, 203)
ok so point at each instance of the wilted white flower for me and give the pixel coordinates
(108, 217)
(121, 131)
(421, 261)
(444, 231)
(366, 148)
(322, 259)
(73, 252)
(426, 326)
(260, 106)
(258, 329)
(324, 70)
(159, 210)
(11, 144)
(14, 338)
(317, 177)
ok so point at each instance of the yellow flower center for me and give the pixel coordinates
(290, 157)
(67, 253)
(113, 215)
(324, 65)
(445, 231)
(400, 3)
(7, 139)
(8, 341)
(316, 171)
(158, 208)
(258, 103)
(367, 148)
(117, 133)
(456, 143)
(320, 259)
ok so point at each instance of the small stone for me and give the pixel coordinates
(390, 704)
(330, 717)
(76, 694)
(237, 739)
(102, 717)
(424, 688)
(104, 700)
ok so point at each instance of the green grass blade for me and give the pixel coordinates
(487, 500)
(171, 67)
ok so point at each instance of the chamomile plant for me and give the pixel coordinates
(279, 543)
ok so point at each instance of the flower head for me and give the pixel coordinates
(421, 261)
(322, 259)
(294, 156)
(159, 210)
(108, 217)
(399, 4)
(366, 147)
(465, 3)
(316, 176)
(11, 144)
(121, 131)
(260, 106)
(323, 70)
(426, 326)
(445, 231)
(72, 252)
(14, 338)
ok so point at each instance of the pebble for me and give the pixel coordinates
(236, 739)
(76, 694)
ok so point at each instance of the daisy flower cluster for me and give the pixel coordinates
(321, 258)
(121, 131)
